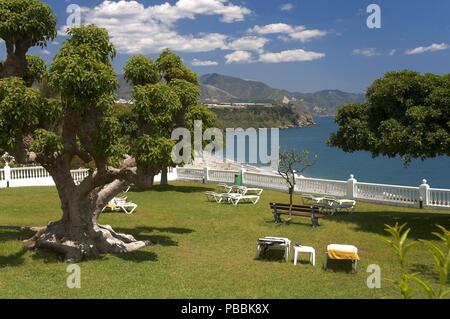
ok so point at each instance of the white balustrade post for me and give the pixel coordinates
(351, 187)
(243, 170)
(7, 171)
(206, 174)
(175, 173)
(424, 193)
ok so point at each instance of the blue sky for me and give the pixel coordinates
(303, 45)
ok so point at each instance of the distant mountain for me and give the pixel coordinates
(325, 102)
(217, 88)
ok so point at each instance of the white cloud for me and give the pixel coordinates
(46, 52)
(290, 56)
(393, 52)
(287, 7)
(197, 62)
(298, 33)
(367, 52)
(432, 48)
(135, 28)
(249, 43)
(239, 57)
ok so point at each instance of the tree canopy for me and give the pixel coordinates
(406, 114)
(80, 123)
(24, 24)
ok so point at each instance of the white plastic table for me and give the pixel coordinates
(307, 250)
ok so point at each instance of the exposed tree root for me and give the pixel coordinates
(101, 239)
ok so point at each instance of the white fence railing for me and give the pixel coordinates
(191, 174)
(321, 187)
(265, 181)
(439, 197)
(221, 176)
(388, 193)
(421, 196)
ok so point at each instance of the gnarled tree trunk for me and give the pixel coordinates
(78, 234)
(164, 179)
(16, 62)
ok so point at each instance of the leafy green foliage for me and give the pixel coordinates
(141, 70)
(171, 68)
(107, 138)
(36, 70)
(258, 116)
(46, 143)
(82, 71)
(28, 21)
(149, 150)
(199, 112)
(406, 114)
(441, 258)
(20, 111)
(187, 92)
(156, 105)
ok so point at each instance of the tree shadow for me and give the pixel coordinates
(12, 234)
(305, 223)
(422, 224)
(172, 188)
(140, 233)
(16, 259)
(138, 256)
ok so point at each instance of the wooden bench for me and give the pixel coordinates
(299, 211)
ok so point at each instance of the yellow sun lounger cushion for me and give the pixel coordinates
(342, 252)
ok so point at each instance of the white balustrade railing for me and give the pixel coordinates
(422, 196)
(266, 181)
(29, 173)
(221, 176)
(439, 197)
(321, 187)
(388, 193)
(190, 174)
(79, 175)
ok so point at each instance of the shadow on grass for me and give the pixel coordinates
(296, 221)
(425, 271)
(340, 266)
(172, 188)
(274, 255)
(138, 256)
(16, 259)
(140, 233)
(6, 235)
(422, 224)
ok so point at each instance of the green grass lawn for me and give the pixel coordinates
(207, 250)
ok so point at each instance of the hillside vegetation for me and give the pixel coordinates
(261, 117)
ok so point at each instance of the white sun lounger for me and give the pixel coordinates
(216, 197)
(335, 205)
(248, 190)
(225, 188)
(121, 205)
(235, 199)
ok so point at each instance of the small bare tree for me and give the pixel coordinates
(292, 162)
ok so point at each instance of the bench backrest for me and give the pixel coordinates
(295, 208)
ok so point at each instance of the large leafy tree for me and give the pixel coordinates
(23, 24)
(406, 114)
(79, 123)
(166, 95)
